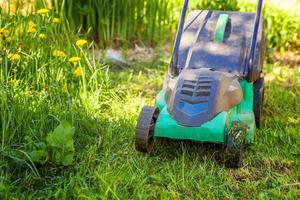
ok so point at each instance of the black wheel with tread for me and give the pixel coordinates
(144, 134)
(258, 103)
(236, 145)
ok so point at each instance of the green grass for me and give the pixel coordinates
(40, 91)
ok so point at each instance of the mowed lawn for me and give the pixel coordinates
(107, 166)
(185, 170)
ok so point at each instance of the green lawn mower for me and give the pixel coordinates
(214, 89)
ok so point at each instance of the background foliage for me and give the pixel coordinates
(217, 5)
(119, 22)
(282, 27)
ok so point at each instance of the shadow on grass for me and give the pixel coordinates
(27, 117)
(173, 149)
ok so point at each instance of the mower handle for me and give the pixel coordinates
(174, 68)
(250, 58)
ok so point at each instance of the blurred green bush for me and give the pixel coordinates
(217, 5)
(282, 27)
(119, 22)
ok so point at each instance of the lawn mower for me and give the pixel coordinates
(214, 89)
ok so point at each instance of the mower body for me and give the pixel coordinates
(214, 88)
(211, 90)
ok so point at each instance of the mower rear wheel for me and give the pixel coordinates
(144, 133)
(258, 103)
(236, 145)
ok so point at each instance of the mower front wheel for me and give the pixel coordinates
(144, 133)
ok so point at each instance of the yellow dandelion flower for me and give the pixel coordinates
(56, 20)
(9, 39)
(43, 11)
(59, 54)
(4, 32)
(31, 29)
(42, 36)
(74, 59)
(81, 42)
(78, 72)
(14, 57)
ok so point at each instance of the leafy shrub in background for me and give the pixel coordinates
(282, 27)
(218, 5)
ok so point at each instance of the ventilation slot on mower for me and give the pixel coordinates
(188, 88)
(200, 88)
(203, 94)
(204, 86)
(187, 92)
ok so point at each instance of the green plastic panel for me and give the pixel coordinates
(244, 111)
(160, 102)
(221, 27)
(214, 131)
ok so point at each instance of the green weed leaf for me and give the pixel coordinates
(40, 153)
(39, 156)
(61, 144)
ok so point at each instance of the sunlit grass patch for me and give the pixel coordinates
(288, 76)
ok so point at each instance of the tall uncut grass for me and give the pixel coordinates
(120, 21)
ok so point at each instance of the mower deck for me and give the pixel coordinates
(214, 131)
